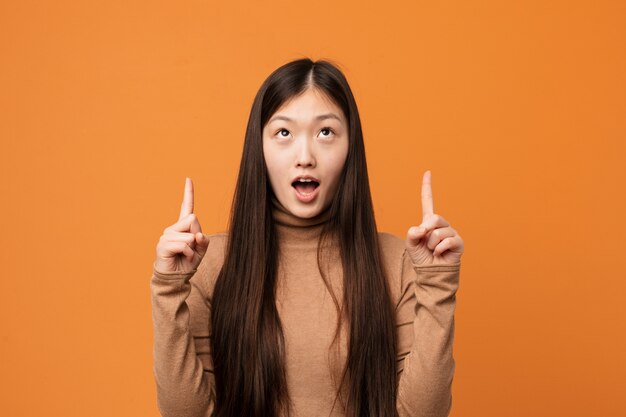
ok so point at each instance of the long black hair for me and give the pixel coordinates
(248, 342)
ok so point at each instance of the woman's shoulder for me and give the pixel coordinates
(218, 239)
(217, 247)
(392, 249)
(391, 244)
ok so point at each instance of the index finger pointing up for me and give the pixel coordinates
(427, 194)
(187, 206)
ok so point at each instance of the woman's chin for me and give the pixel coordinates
(304, 210)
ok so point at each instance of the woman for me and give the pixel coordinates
(246, 323)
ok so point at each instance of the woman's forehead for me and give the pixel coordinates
(308, 107)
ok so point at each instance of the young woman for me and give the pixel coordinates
(303, 308)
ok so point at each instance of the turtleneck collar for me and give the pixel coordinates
(298, 231)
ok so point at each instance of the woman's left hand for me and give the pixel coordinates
(434, 241)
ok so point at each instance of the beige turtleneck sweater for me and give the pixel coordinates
(424, 297)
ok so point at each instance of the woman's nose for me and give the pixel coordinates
(304, 156)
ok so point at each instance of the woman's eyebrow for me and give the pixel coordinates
(319, 117)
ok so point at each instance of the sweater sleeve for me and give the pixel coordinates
(425, 325)
(182, 361)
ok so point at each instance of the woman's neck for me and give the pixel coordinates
(297, 231)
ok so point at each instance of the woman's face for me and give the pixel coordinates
(307, 135)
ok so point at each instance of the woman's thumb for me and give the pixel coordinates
(415, 234)
(202, 243)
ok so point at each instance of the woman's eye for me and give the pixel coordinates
(282, 130)
(328, 129)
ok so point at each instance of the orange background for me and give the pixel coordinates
(517, 108)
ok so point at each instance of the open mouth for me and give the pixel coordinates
(305, 187)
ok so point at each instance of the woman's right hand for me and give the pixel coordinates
(182, 245)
